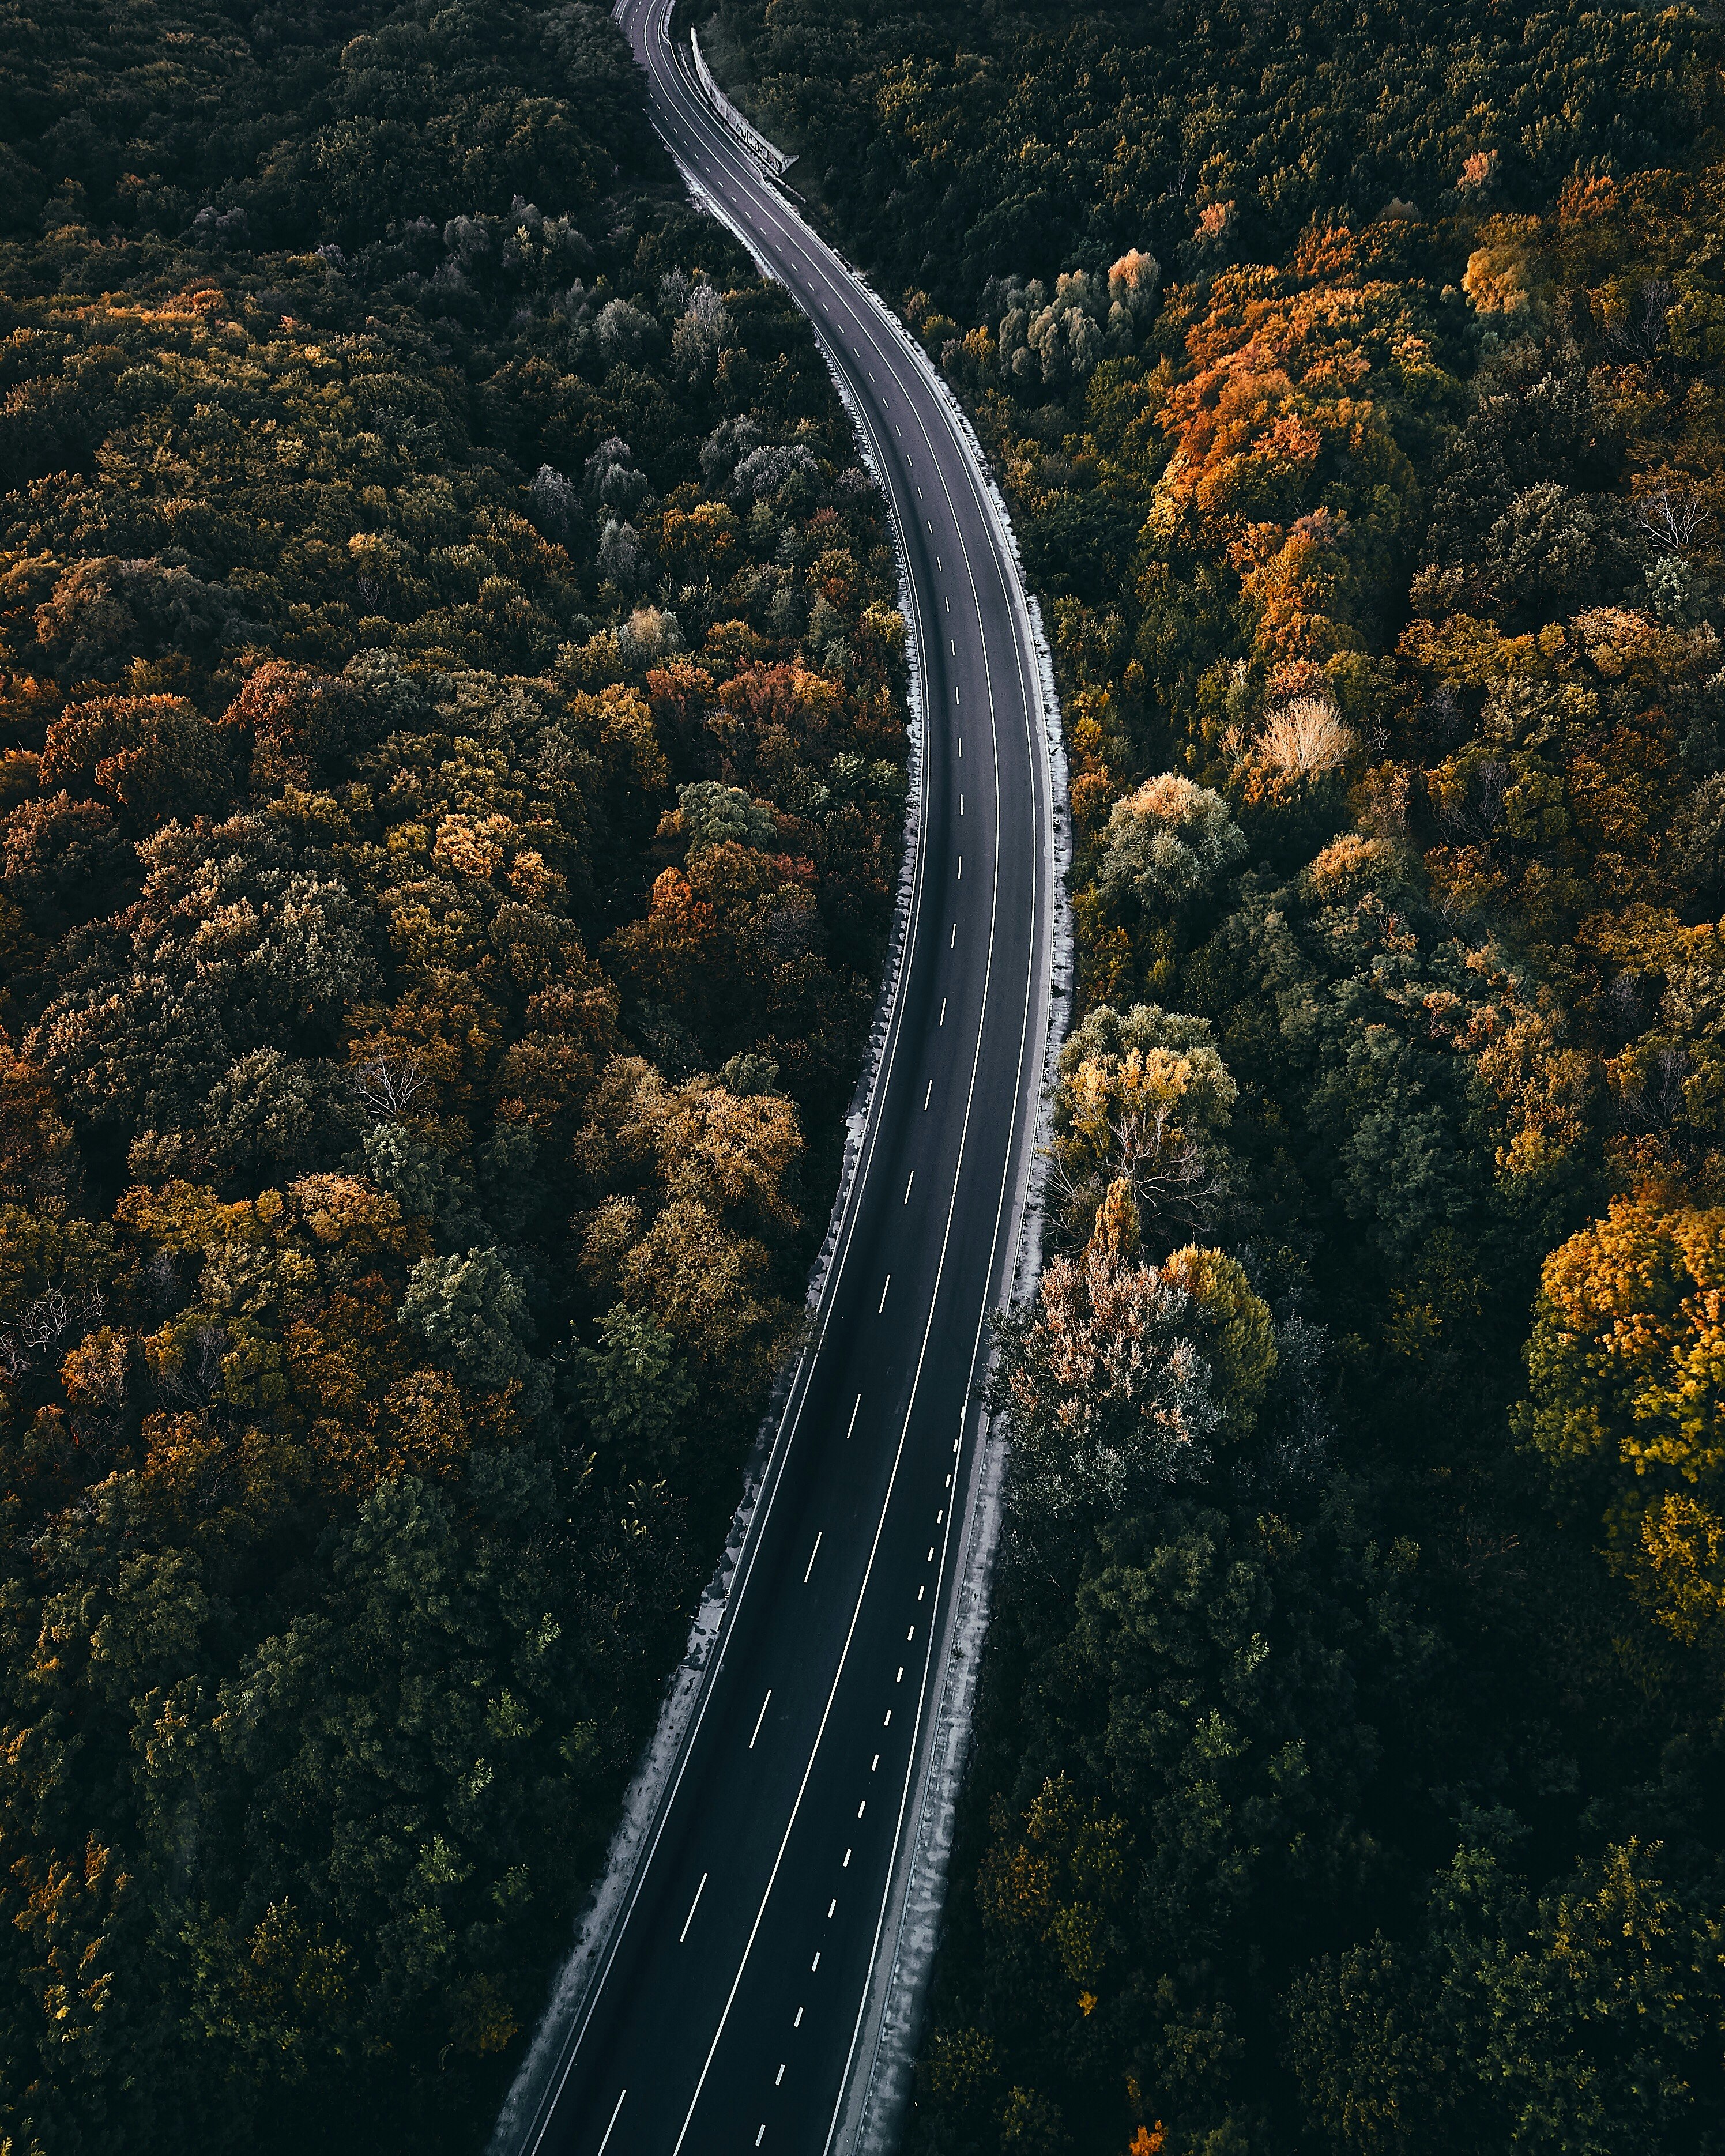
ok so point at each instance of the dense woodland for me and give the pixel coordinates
(1351, 1772)
(452, 780)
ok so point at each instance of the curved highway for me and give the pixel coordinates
(732, 2008)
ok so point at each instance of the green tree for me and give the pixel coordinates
(636, 1389)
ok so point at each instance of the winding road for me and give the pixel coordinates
(737, 2003)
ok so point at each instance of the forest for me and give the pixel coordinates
(451, 792)
(1350, 1771)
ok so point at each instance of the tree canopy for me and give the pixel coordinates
(1348, 1767)
(452, 753)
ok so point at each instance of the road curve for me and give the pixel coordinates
(731, 2006)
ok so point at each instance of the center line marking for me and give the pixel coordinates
(900, 1678)
(605, 2143)
(944, 1010)
(815, 1964)
(853, 1415)
(861, 1809)
(907, 1186)
(725, 189)
(874, 1764)
(887, 1724)
(778, 2077)
(812, 1554)
(961, 868)
(845, 1866)
(798, 2023)
(953, 945)
(693, 1906)
(883, 1295)
(761, 1715)
(831, 1906)
(929, 1095)
(961, 748)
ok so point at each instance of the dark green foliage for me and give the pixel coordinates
(444, 639)
(1051, 137)
(1345, 1775)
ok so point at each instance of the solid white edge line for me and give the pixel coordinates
(910, 1409)
(594, 1980)
(1017, 610)
(606, 2142)
(1041, 778)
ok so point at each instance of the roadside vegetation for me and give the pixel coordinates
(451, 792)
(1350, 1773)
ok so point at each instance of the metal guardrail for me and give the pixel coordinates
(759, 148)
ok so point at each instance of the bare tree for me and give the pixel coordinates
(46, 1319)
(388, 1085)
(1305, 737)
(1175, 1184)
(182, 1385)
(44, 1324)
(1643, 336)
(1479, 810)
(1655, 1101)
(1673, 517)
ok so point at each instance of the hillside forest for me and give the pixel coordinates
(1350, 1769)
(451, 792)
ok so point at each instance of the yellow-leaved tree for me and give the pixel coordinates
(1626, 1371)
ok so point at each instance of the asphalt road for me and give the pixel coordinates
(731, 2004)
